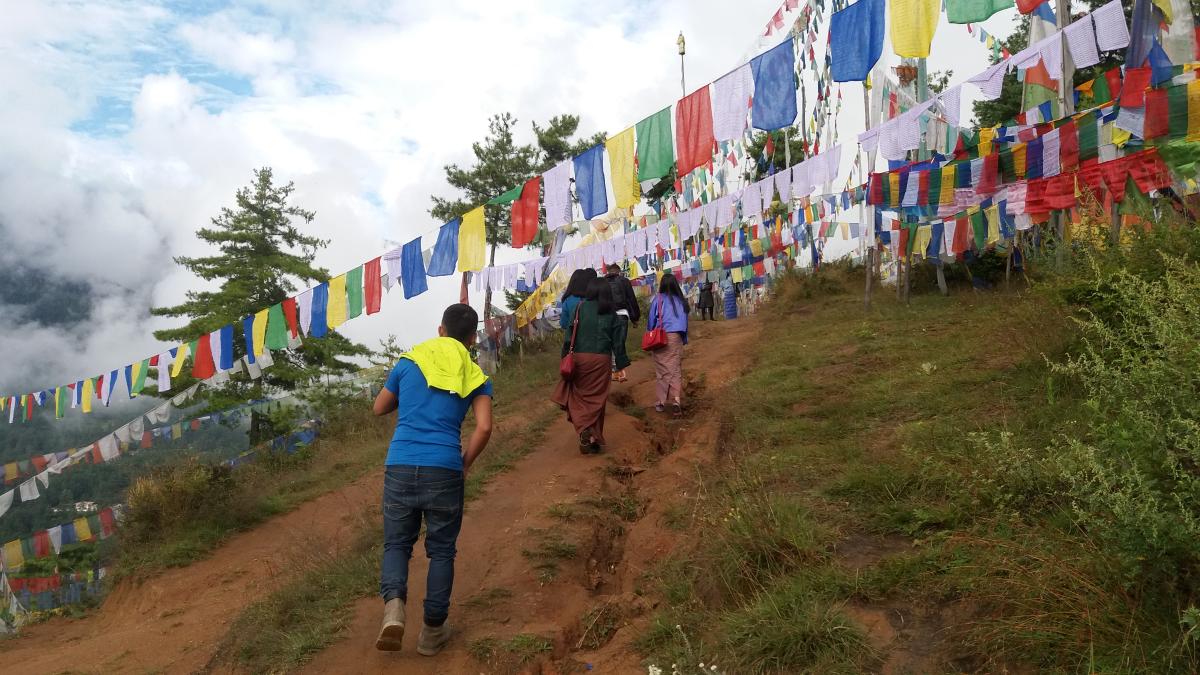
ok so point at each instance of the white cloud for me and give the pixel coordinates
(129, 127)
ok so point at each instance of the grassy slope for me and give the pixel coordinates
(852, 484)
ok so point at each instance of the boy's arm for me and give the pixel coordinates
(385, 402)
(482, 407)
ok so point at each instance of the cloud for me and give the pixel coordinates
(132, 125)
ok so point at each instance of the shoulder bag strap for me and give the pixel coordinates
(575, 328)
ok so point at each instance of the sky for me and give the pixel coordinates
(128, 125)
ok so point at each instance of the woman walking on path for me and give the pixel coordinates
(729, 291)
(706, 302)
(670, 310)
(590, 332)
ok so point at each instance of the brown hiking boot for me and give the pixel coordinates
(433, 639)
(391, 635)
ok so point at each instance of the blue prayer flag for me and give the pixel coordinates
(226, 348)
(445, 251)
(589, 182)
(412, 269)
(247, 335)
(936, 232)
(856, 40)
(774, 87)
(320, 304)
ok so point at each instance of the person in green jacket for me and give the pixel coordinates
(589, 335)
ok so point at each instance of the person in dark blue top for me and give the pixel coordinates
(431, 389)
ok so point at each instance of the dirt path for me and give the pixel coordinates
(552, 550)
(515, 572)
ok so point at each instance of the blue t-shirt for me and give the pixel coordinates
(428, 421)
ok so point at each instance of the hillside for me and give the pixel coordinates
(849, 492)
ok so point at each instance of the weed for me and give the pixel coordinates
(512, 653)
(599, 625)
(489, 598)
(551, 550)
(626, 506)
(562, 511)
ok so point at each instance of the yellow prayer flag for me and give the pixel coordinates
(1018, 152)
(756, 247)
(624, 173)
(993, 224)
(85, 396)
(82, 531)
(259, 332)
(11, 472)
(921, 243)
(986, 134)
(736, 274)
(845, 230)
(1193, 102)
(913, 24)
(706, 263)
(13, 558)
(949, 180)
(894, 188)
(335, 314)
(472, 241)
(1165, 6)
(1120, 137)
(181, 355)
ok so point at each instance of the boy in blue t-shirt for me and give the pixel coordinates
(432, 387)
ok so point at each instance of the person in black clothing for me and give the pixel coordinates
(706, 304)
(627, 311)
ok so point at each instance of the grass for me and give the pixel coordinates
(551, 549)
(851, 425)
(508, 655)
(287, 632)
(488, 599)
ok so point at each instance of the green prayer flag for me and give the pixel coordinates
(980, 226)
(1182, 156)
(1100, 91)
(277, 331)
(94, 525)
(507, 198)
(139, 382)
(61, 401)
(1008, 166)
(912, 237)
(192, 349)
(354, 292)
(1177, 106)
(1089, 137)
(655, 152)
(974, 11)
(935, 187)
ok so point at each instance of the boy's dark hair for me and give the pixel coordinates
(614, 268)
(599, 292)
(460, 321)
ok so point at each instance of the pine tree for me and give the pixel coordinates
(502, 164)
(262, 255)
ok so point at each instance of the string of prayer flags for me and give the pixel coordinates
(655, 151)
(774, 104)
(856, 40)
(589, 182)
(913, 25)
(412, 269)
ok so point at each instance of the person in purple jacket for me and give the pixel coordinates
(671, 308)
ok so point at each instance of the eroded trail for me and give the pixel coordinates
(550, 557)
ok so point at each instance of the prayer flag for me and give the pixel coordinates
(621, 153)
(318, 326)
(856, 38)
(507, 198)
(277, 332)
(913, 25)
(774, 88)
(354, 292)
(589, 182)
(248, 337)
(655, 153)
(413, 269)
(260, 331)
(693, 131)
(441, 263)
(374, 281)
(973, 11)
(289, 311)
(472, 241)
(525, 214)
(336, 312)
(731, 102)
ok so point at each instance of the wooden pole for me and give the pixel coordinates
(868, 266)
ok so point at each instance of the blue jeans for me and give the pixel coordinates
(410, 493)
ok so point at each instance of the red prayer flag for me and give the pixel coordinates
(202, 361)
(988, 174)
(1068, 144)
(1157, 114)
(97, 458)
(922, 187)
(41, 544)
(463, 294)
(1133, 92)
(777, 20)
(372, 285)
(903, 241)
(39, 463)
(962, 236)
(1040, 76)
(694, 130)
(108, 524)
(525, 214)
(1113, 77)
(1027, 6)
(147, 440)
(194, 425)
(289, 315)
